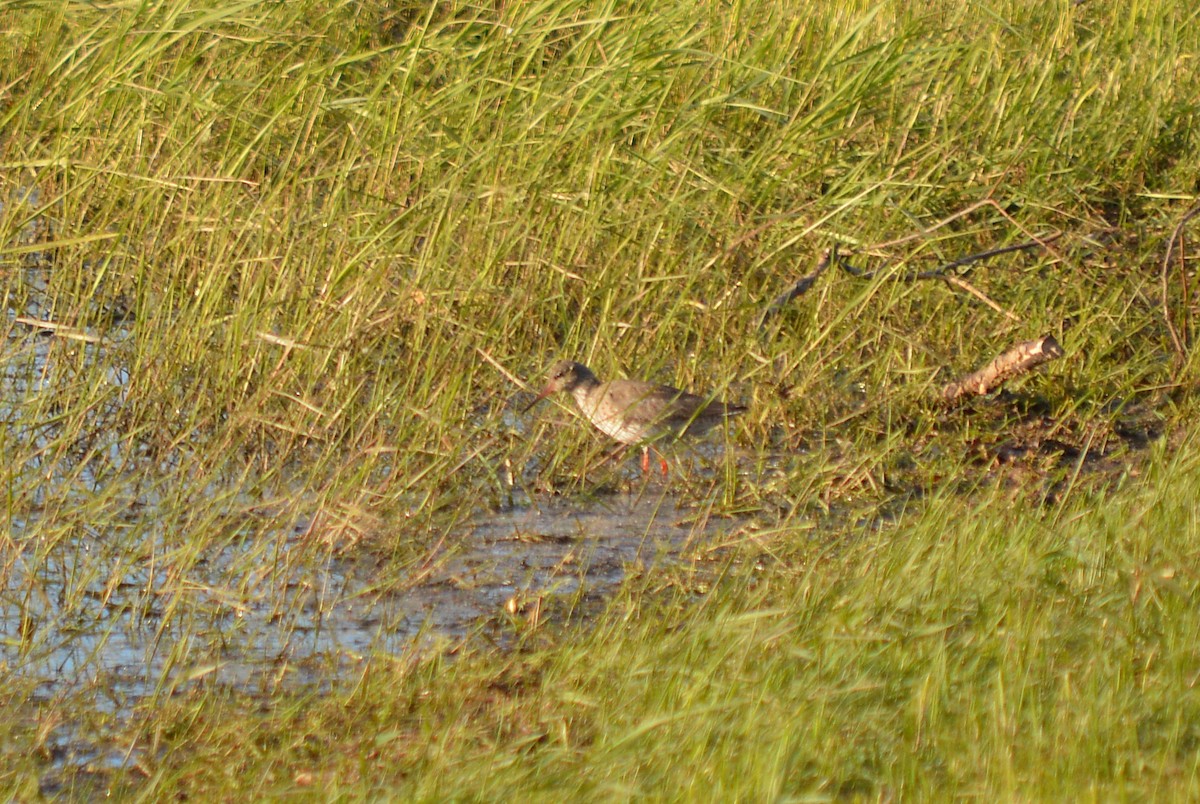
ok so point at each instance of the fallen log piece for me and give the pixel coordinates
(1021, 359)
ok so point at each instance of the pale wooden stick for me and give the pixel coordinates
(61, 330)
(1021, 359)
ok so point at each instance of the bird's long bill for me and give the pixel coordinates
(549, 389)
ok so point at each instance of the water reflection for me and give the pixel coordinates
(103, 598)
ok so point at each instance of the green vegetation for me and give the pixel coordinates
(273, 274)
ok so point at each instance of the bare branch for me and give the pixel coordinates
(946, 272)
(942, 271)
(962, 284)
(1021, 359)
(800, 287)
(1176, 236)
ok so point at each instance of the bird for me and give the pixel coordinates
(633, 411)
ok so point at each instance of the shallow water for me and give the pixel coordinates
(104, 602)
(323, 615)
(327, 619)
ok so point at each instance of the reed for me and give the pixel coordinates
(279, 277)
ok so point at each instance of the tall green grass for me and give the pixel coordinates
(976, 649)
(323, 244)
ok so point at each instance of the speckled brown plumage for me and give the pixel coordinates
(636, 412)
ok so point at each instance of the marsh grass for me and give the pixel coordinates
(294, 262)
(979, 646)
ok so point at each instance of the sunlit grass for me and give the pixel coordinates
(295, 263)
(979, 647)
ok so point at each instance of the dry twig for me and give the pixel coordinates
(1020, 359)
(60, 330)
(800, 287)
(943, 272)
(1177, 341)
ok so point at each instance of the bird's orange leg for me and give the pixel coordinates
(662, 461)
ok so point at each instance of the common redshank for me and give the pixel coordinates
(636, 412)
